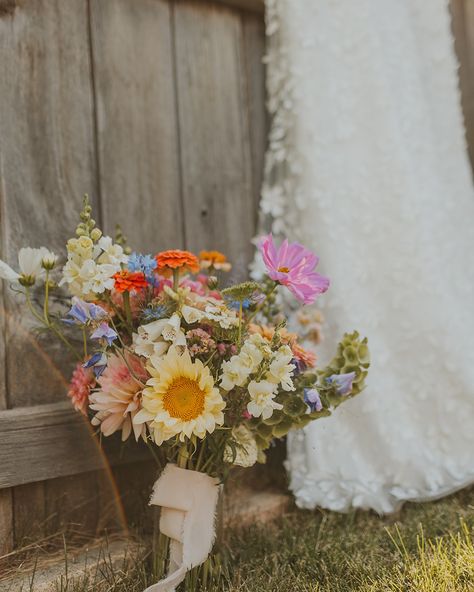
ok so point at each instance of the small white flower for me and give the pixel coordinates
(30, 264)
(234, 373)
(111, 252)
(246, 450)
(222, 315)
(155, 338)
(49, 260)
(191, 315)
(281, 371)
(262, 396)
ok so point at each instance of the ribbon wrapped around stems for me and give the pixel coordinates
(188, 501)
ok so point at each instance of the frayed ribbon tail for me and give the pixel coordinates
(188, 501)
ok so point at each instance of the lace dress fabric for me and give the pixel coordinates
(368, 166)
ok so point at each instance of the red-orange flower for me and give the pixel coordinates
(128, 281)
(176, 259)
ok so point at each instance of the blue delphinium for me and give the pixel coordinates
(312, 399)
(144, 263)
(342, 382)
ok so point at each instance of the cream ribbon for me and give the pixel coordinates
(188, 501)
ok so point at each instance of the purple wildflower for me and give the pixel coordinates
(82, 312)
(342, 382)
(312, 399)
(103, 331)
(98, 362)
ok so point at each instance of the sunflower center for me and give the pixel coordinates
(184, 399)
(284, 269)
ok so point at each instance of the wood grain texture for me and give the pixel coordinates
(48, 162)
(136, 121)
(214, 128)
(6, 521)
(49, 441)
(254, 52)
(257, 6)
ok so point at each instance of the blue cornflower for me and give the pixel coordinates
(144, 263)
(246, 303)
(153, 313)
(312, 399)
(82, 312)
(342, 382)
(98, 362)
(103, 331)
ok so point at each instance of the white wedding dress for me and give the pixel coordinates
(367, 165)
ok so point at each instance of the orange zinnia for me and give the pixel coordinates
(126, 281)
(214, 259)
(176, 259)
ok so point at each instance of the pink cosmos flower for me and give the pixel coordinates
(292, 265)
(82, 381)
(118, 398)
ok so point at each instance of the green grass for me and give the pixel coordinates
(426, 548)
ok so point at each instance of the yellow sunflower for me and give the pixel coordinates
(180, 398)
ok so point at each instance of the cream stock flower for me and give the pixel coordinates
(180, 398)
(90, 268)
(262, 396)
(281, 371)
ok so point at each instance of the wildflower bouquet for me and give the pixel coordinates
(207, 376)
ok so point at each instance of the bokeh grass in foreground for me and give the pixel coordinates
(426, 548)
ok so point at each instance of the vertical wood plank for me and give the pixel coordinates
(254, 50)
(214, 135)
(6, 500)
(6, 521)
(137, 126)
(48, 162)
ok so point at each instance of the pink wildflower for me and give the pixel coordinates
(200, 342)
(118, 399)
(292, 265)
(82, 381)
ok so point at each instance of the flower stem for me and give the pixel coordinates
(84, 341)
(127, 308)
(262, 304)
(241, 309)
(46, 298)
(47, 323)
(175, 279)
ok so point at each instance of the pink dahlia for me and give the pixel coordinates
(118, 397)
(292, 265)
(82, 381)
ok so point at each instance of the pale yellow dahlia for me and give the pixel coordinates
(180, 398)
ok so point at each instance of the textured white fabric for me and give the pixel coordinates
(188, 501)
(367, 165)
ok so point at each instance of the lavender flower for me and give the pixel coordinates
(312, 399)
(82, 312)
(103, 331)
(342, 382)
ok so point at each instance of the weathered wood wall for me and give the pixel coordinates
(155, 108)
